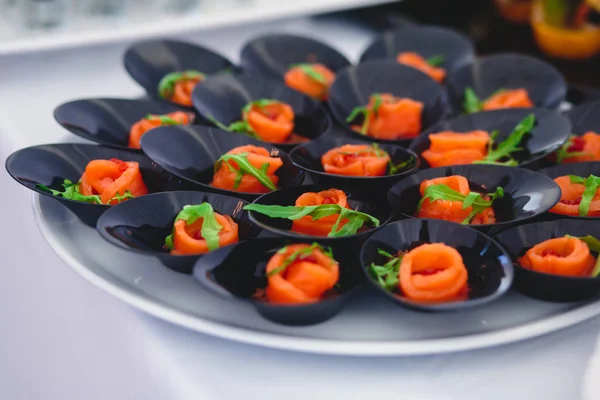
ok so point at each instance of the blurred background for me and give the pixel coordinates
(566, 32)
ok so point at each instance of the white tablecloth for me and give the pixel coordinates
(63, 339)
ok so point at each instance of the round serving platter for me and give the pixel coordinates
(369, 325)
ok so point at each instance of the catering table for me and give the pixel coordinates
(62, 338)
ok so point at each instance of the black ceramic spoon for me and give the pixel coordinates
(490, 272)
(109, 121)
(527, 194)
(142, 224)
(192, 151)
(551, 130)
(51, 164)
(223, 97)
(549, 287)
(238, 272)
(354, 85)
(308, 157)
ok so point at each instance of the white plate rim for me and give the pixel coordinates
(318, 346)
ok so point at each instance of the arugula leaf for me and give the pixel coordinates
(437, 60)
(472, 199)
(387, 274)
(166, 86)
(72, 192)
(364, 111)
(246, 168)
(298, 254)
(594, 245)
(309, 69)
(591, 183)
(210, 227)
(472, 103)
(509, 145)
(356, 219)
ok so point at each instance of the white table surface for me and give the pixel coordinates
(63, 339)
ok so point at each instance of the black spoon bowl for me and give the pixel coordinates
(50, 164)
(551, 130)
(237, 272)
(149, 61)
(545, 85)
(354, 85)
(540, 285)
(223, 97)
(368, 203)
(273, 55)
(108, 121)
(308, 158)
(489, 267)
(527, 194)
(583, 170)
(142, 224)
(428, 41)
(191, 152)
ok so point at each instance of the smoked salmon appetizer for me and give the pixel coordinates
(300, 274)
(322, 226)
(178, 86)
(272, 121)
(433, 273)
(429, 67)
(388, 117)
(249, 169)
(453, 210)
(152, 121)
(515, 98)
(573, 200)
(314, 80)
(569, 256)
(198, 229)
(356, 160)
(112, 178)
(580, 149)
(453, 148)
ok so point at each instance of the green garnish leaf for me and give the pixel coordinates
(245, 167)
(437, 60)
(472, 199)
(594, 245)
(298, 254)
(591, 184)
(309, 69)
(166, 86)
(387, 274)
(364, 111)
(564, 153)
(472, 103)
(356, 219)
(72, 192)
(210, 227)
(510, 145)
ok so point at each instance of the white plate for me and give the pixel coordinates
(368, 325)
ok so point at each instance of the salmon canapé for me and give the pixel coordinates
(455, 148)
(322, 226)
(415, 60)
(314, 80)
(433, 273)
(571, 198)
(582, 148)
(356, 160)
(178, 86)
(230, 175)
(187, 239)
(515, 98)
(272, 121)
(568, 256)
(300, 274)
(112, 178)
(154, 121)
